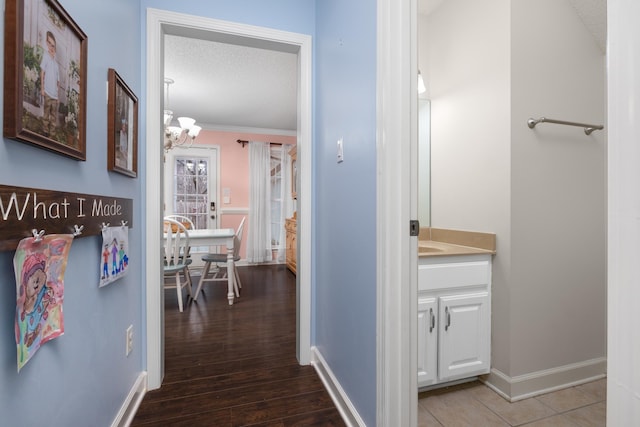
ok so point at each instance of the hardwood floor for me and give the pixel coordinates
(236, 365)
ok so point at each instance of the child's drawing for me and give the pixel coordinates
(114, 259)
(39, 270)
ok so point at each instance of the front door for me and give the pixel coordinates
(191, 188)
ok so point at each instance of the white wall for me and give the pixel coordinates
(623, 383)
(490, 68)
(464, 60)
(558, 287)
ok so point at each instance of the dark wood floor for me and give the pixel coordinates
(236, 365)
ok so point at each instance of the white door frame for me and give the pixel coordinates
(397, 252)
(158, 21)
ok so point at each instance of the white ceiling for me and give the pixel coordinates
(425, 7)
(241, 84)
(230, 86)
(593, 14)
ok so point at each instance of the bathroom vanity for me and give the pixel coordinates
(454, 306)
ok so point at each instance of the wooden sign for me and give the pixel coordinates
(25, 209)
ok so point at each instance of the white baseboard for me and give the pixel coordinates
(132, 402)
(349, 413)
(536, 383)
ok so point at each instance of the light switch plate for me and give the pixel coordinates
(340, 151)
(129, 338)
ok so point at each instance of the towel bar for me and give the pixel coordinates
(587, 128)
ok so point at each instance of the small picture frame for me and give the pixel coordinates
(122, 127)
(45, 77)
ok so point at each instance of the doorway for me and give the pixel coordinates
(160, 23)
(191, 184)
(191, 189)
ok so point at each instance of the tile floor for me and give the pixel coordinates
(476, 405)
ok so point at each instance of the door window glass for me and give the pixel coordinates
(190, 188)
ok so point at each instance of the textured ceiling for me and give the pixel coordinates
(229, 86)
(593, 14)
(425, 7)
(234, 83)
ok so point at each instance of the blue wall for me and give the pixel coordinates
(81, 378)
(287, 15)
(344, 280)
(345, 199)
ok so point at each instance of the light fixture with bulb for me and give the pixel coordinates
(421, 87)
(185, 133)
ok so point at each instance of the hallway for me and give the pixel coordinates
(236, 365)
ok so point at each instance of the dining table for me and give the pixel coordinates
(216, 237)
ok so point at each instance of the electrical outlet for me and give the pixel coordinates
(129, 337)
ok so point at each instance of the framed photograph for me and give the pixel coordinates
(45, 77)
(122, 127)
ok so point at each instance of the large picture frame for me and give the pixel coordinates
(45, 77)
(122, 127)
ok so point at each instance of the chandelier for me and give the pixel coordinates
(175, 136)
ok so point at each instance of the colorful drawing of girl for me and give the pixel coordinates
(39, 267)
(37, 297)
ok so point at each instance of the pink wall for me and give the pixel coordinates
(234, 173)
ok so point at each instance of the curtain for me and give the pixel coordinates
(286, 202)
(259, 236)
(270, 202)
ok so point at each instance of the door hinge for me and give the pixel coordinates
(414, 227)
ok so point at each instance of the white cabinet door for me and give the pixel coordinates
(427, 341)
(464, 341)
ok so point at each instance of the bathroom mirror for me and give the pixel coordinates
(424, 162)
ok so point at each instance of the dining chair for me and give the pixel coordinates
(183, 219)
(186, 221)
(219, 273)
(176, 257)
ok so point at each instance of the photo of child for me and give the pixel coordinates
(124, 110)
(50, 69)
(50, 83)
(122, 146)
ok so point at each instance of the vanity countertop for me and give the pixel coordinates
(443, 242)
